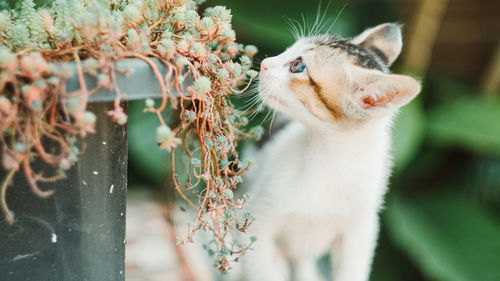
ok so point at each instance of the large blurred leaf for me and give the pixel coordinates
(449, 238)
(473, 123)
(408, 134)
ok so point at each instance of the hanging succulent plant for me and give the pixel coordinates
(36, 44)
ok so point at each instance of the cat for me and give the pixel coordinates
(319, 183)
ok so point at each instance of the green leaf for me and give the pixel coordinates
(472, 123)
(449, 238)
(408, 134)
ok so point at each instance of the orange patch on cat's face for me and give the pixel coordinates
(306, 95)
(320, 89)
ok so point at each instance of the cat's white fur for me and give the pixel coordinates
(318, 190)
(319, 185)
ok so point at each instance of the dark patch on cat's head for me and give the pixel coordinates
(371, 59)
(379, 54)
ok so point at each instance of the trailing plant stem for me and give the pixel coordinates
(176, 184)
(9, 215)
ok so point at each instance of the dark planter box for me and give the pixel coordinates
(79, 232)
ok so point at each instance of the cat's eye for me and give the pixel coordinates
(297, 66)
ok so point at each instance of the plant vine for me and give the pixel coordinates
(36, 45)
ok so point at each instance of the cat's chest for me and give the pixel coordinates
(339, 180)
(326, 188)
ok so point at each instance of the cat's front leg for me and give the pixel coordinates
(353, 251)
(265, 262)
(307, 270)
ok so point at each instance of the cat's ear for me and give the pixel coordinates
(381, 92)
(384, 40)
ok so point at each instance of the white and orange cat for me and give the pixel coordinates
(319, 183)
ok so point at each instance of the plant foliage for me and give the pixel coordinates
(35, 108)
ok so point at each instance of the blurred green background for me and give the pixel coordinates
(441, 219)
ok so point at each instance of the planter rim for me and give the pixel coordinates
(137, 82)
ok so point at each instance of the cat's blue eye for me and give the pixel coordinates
(297, 66)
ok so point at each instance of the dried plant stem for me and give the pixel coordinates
(176, 184)
(157, 22)
(81, 81)
(185, 143)
(119, 95)
(244, 89)
(28, 173)
(43, 154)
(160, 81)
(176, 83)
(9, 215)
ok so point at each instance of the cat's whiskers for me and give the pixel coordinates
(274, 115)
(252, 103)
(254, 97)
(338, 16)
(319, 23)
(259, 107)
(301, 29)
(273, 98)
(252, 89)
(270, 109)
(294, 26)
(266, 90)
(251, 95)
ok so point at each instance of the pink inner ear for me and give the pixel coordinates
(370, 102)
